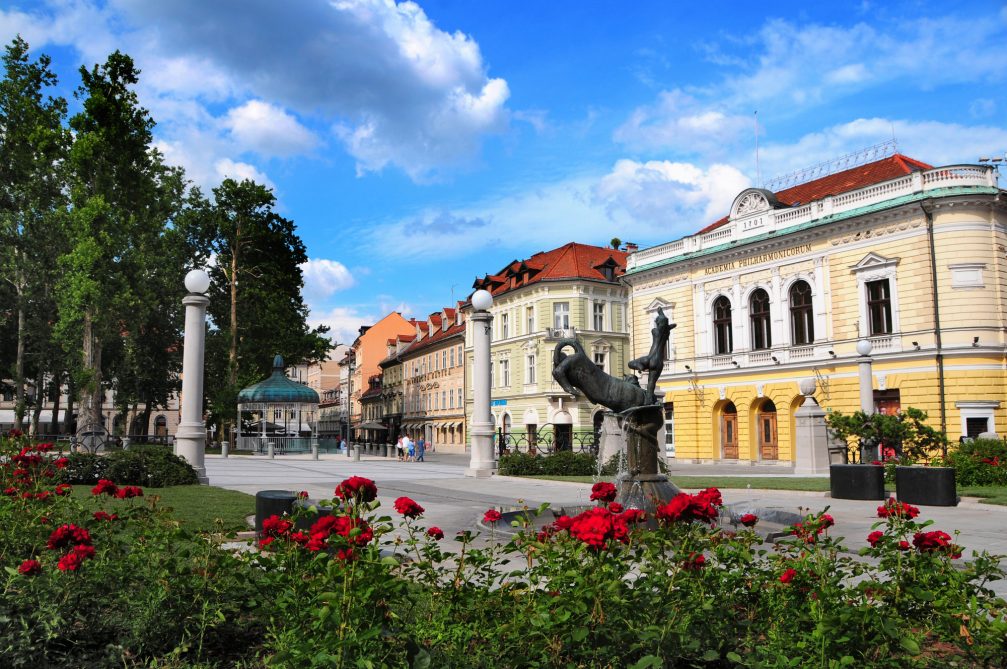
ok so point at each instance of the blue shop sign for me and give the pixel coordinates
(498, 403)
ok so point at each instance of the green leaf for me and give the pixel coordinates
(710, 656)
(579, 634)
(910, 645)
(733, 657)
(648, 661)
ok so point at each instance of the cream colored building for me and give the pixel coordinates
(569, 292)
(895, 251)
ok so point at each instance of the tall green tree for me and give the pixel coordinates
(33, 145)
(121, 197)
(256, 304)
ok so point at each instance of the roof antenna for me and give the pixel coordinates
(758, 170)
(895, 142)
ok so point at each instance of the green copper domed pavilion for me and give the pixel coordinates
(276, 412)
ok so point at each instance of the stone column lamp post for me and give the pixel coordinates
(190, 438)
(482, 463)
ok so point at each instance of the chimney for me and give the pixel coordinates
(631, 247)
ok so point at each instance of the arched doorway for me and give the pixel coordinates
(729, 432)
(766, 428)
(160, 426)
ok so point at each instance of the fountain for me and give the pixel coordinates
(635, 409)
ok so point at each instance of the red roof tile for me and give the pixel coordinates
(570, 261)
(862, 176)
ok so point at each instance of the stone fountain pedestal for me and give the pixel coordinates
(642, 486)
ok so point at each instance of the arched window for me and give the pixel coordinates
(802, 320)
(758, 308)
(724, 339)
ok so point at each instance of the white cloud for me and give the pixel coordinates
(344, 322)
(323, 277)
(226, 168)
(670, 193)
(268, 130)
(398, 90)
(679, 122)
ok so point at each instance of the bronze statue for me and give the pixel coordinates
(636, 410)
(653, 362)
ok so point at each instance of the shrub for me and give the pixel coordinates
(85, 468)
(520, 464)
(568, 463)
(154, 466)
(978, 462)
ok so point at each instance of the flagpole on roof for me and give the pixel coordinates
(758, 169)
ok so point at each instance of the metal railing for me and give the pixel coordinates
(547, 443)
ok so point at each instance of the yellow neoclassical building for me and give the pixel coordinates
(908, 256)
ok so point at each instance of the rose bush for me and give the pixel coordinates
(598, 589)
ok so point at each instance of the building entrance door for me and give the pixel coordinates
(729, 432)
(768, 446)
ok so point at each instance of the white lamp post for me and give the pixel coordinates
(868, 451)
(482, 463)
(190, 438)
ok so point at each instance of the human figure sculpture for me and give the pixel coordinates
(653, 362)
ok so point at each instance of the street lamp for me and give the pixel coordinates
(190, 439)
(481, 464)
(868, 447)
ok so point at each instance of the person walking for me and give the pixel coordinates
(411, 449)
(400, 448)
(421, 447)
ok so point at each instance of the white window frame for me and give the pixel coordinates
(561, 317)
(531, 360)
(598, 316)
(504, 325)
(978, 409)
(529, 316)
(874, 267)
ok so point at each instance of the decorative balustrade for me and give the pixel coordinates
(953, 176)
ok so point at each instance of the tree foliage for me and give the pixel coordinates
(906, 432)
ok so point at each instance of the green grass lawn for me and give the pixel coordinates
(197, 507)
(991, 494)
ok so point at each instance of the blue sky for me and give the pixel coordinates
(417, 145)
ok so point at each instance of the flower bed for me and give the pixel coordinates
(358, 588)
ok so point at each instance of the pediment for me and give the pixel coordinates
(753, 201)
(874, 261)
(659, 303)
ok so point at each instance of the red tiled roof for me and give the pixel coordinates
(436, 338)
(570, 261)
(862, 176)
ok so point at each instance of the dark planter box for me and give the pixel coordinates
(927, 486)
(272, 502)
(857, 481)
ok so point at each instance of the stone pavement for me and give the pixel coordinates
(455, 502)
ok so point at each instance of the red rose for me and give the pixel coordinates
(634, 516)
(128, 491)
(874, 538)
(603, 492)
(61, 463)
(104, 515)
(694, 562)
(748, 520)
(563, 523)
(357, 488)
(263, 543)
(408, 507)
(105, 487)
(895, 509)
(75, 558)
(302, 495)
(300, 538)
(346, 555)
(275, 526)
(685, 507)
(435, 533)
(827, 521)
(11, 491)
(491, 516)
(63, 489)
(903, 545)
(68, 535)
(30, 568)
(936, 542)
(597, 526)
(615, 507)
(788, 575)
(711, 496)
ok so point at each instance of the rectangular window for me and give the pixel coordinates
(504, 326)
(460, 398)
(444, 403)
(451, 399)
(530, 374)
(505, 373)
(599, 316)
(976, 426)
(879, 306)
(561, 315)
(529, 314)
(436, 402)
(452, 357)
(492, 375)
(444, 359)
(669, 428)
(599, 359)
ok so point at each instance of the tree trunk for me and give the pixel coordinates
(56, 382)
(39, 400)
(68, 422)
(19, 406)
(91, 396)
(232, 357)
